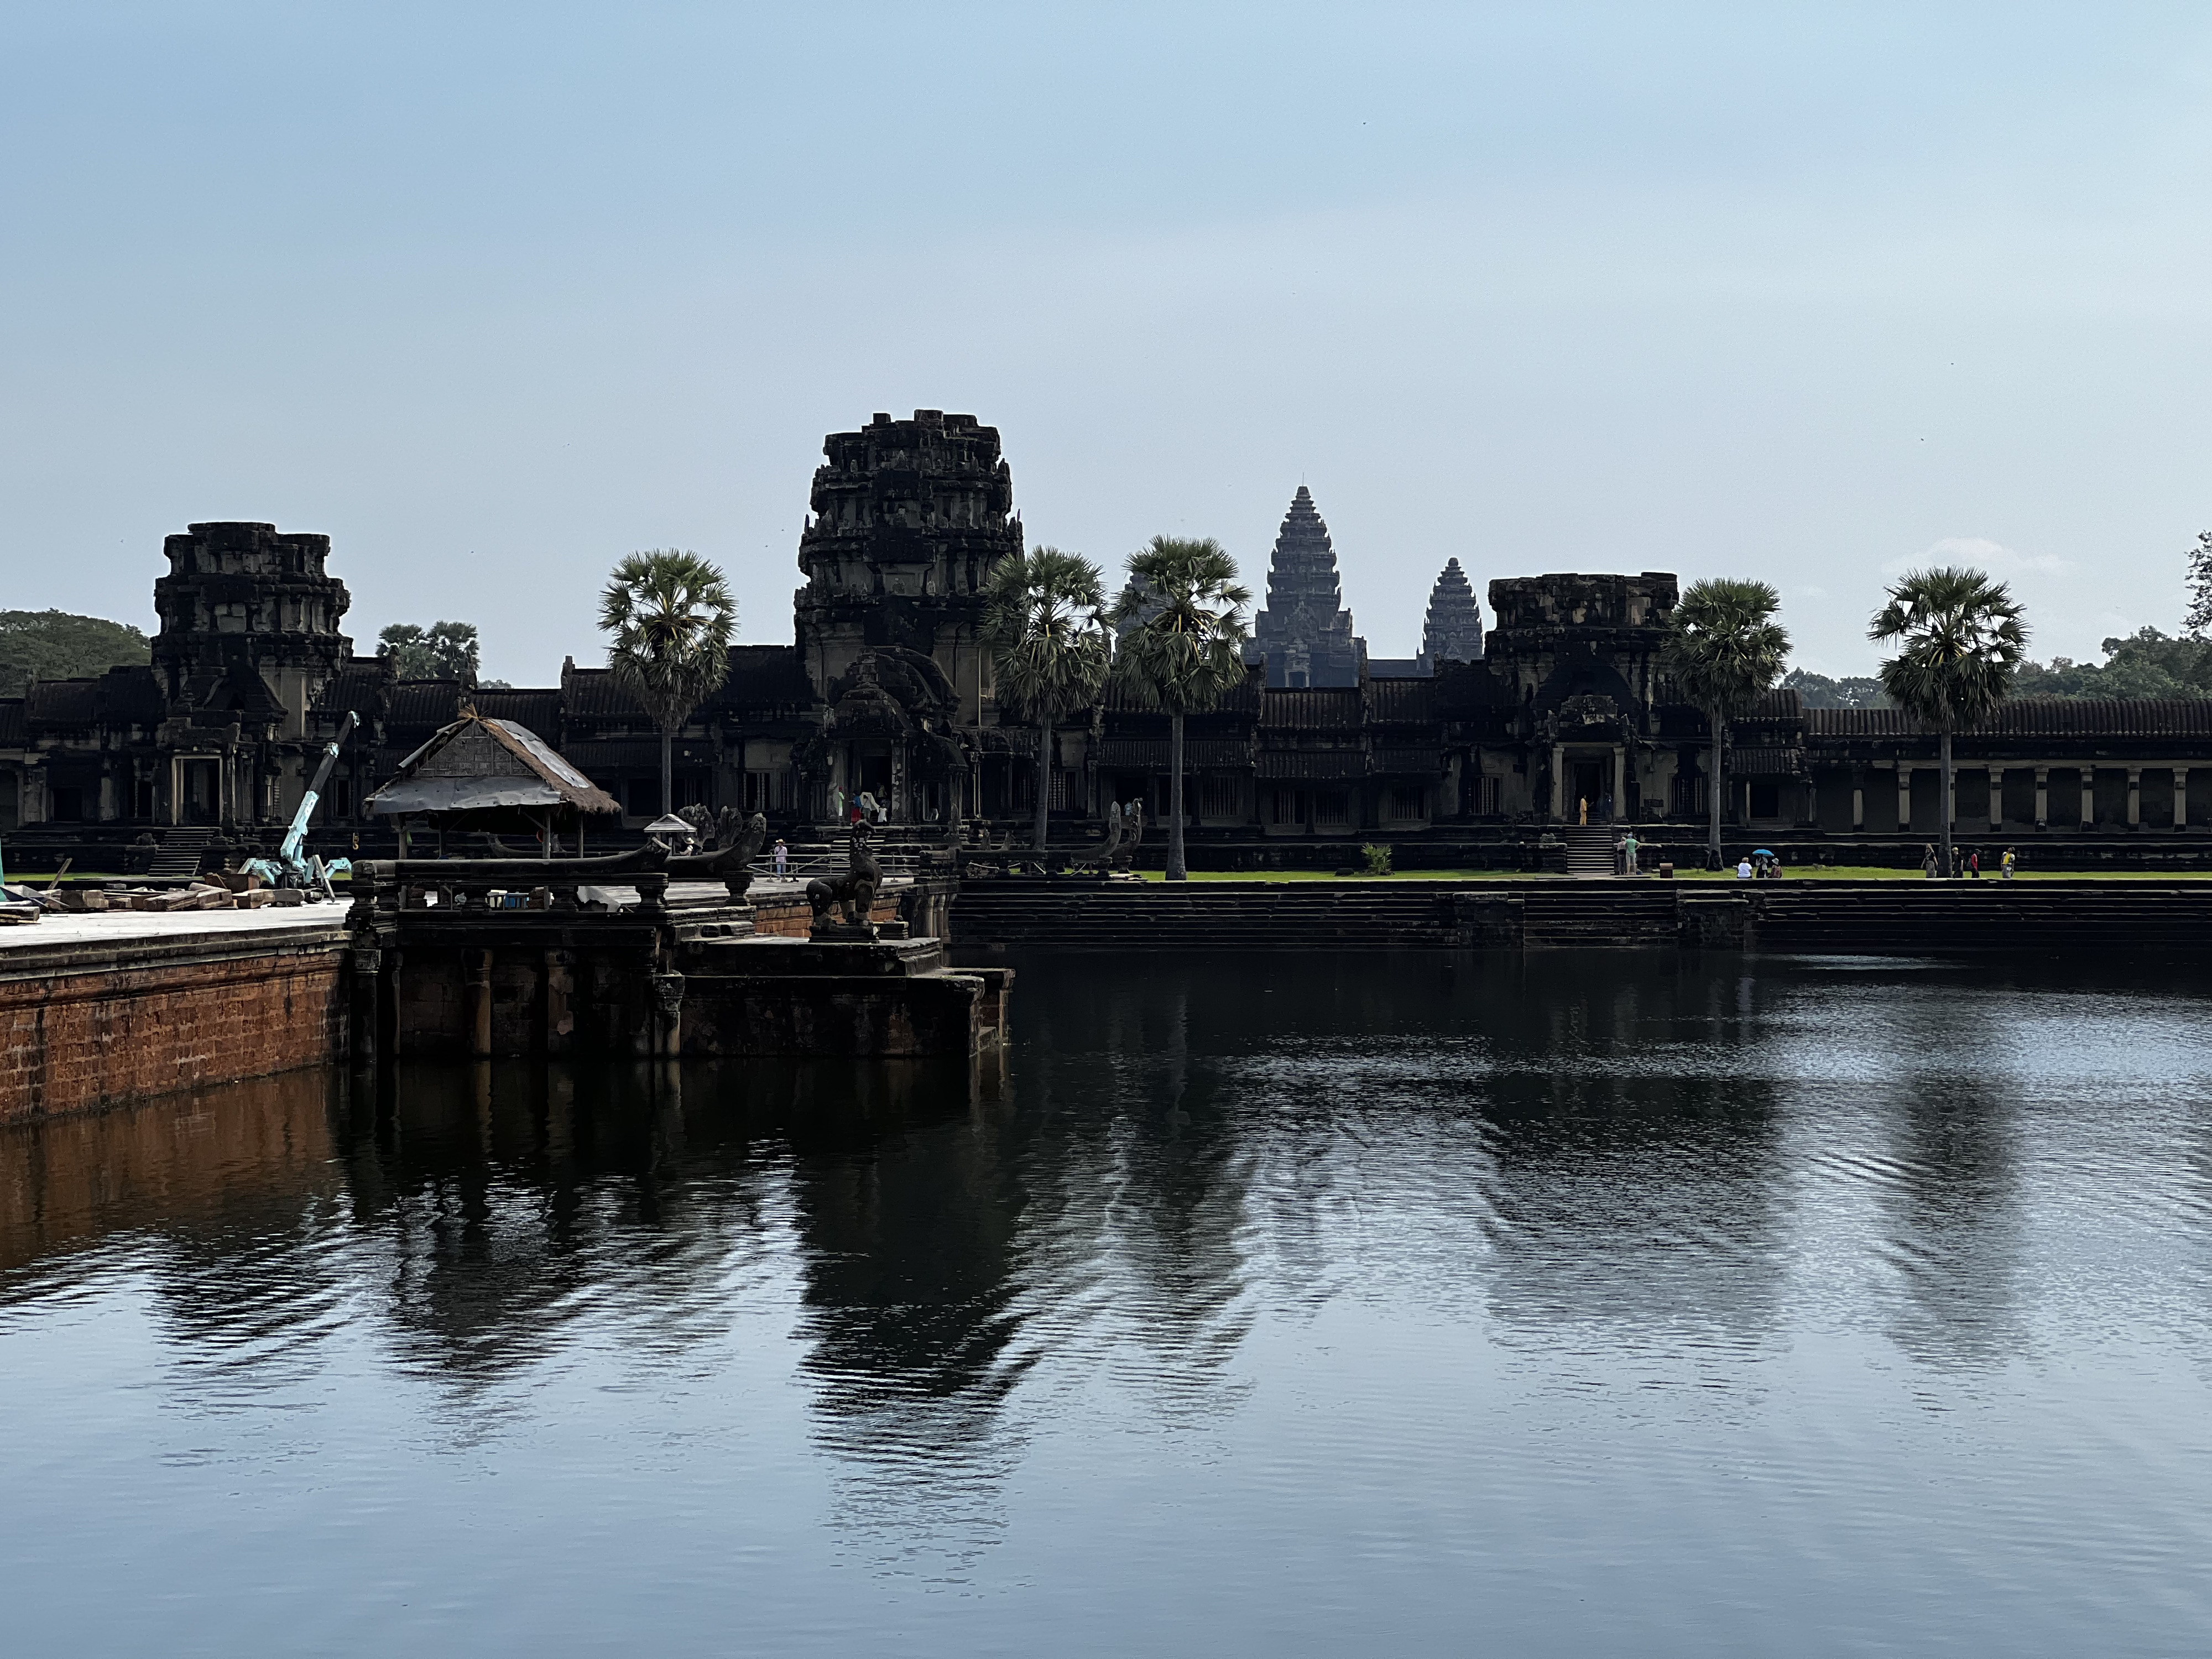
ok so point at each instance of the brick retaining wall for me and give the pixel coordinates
(93, 1026)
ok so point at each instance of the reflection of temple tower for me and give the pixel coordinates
(1305, 634)
(910, 517)
(1453, 632)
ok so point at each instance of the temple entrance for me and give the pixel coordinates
(868, 771)
(1588, 781)
(199, 792)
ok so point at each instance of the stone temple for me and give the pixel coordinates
(1453, 631)
(1303, 633)
(1486, 740)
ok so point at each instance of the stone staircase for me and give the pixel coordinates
(1589, 849)
(1811, 918)
(181, 852)
(2039, 918)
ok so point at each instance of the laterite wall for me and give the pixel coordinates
(84, 1029)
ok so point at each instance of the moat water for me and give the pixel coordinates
(1599, 1305)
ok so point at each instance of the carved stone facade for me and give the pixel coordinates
(887, 690)
(1453, 630)
(1303, 633)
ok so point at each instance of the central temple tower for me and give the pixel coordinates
(1305, 634)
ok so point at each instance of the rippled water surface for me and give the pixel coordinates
(1601, 1305)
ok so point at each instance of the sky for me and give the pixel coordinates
(493, 295)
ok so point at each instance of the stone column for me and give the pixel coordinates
(1558, 784)
(2135, 797)
(1904, 799)
(2088, 797)
(667, 1015)
(1620, 780)
(2043, 797)
(476, 971)
(1858, 798)
(367, 974)
(2181, 798)
(559, 993)
(1997, 798)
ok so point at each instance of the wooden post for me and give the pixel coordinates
(560, 992)
(365, 1014)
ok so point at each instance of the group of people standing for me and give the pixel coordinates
(1965, 862)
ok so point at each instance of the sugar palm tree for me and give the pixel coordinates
(670, 615)
(1724, 652)
(1049, 651)
(1182, 646)
(1959, 637)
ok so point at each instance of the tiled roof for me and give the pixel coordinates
(537, 707)
(429, 704)
(1406, 699)
(358, 686)
(11, 721)
(1200, 754)
(1313, 765)
(590, 694)
(2034, 717)
(64, 702)
(772, 675)
(1401, 761)
(1336, 708)
(1766, 762)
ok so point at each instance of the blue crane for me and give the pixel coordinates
(290, 868)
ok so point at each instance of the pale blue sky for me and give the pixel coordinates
(495, 295)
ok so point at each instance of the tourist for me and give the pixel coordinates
(1620, 855)
(1629, 847)
(1743, 870)
(1928, 858)
(2004, 864)
(783, 857)
(836, 804)
(1974, 865)
(1585, 811)
(1605, 806)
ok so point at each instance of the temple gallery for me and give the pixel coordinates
(1555, 707)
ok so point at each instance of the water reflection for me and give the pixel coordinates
(1599, 1178)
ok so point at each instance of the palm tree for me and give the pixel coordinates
(1048, 649)
(1725, 652)
(1183, 637)
(1960, 637)
(670, 614)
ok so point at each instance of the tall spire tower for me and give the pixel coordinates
(1305, 634)
(1454, 630)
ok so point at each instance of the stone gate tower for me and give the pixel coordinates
(910, 518)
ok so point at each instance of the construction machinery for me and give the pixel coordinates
(292, 866)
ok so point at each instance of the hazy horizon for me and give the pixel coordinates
(494, 296)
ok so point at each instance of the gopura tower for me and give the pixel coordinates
(1453, 631)
(1305, 634)
(249, 634)
(909, 519)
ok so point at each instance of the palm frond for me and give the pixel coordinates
(672, 617)
(1183, 625)
(1959, 636)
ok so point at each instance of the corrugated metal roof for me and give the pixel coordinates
(12, 722)
(546, 779)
